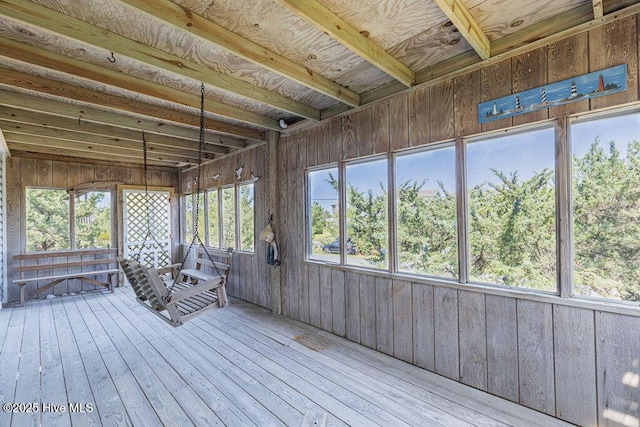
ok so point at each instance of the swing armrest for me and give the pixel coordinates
(171, 268)
(196, 289)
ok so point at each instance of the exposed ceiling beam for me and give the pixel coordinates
(56, 62)
(59, 23)
(20, 149)
(598, 9)
(190, 22)
(121, 121)
(64, 147)
(25, 117)
(94, 143)
(460, 16)
(342, 32)
(39, 84)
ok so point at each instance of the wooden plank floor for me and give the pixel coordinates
(239, 366)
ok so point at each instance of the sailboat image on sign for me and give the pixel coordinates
(592, 85)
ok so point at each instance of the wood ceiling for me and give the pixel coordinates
(84, 78)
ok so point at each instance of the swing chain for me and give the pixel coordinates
(196, 233)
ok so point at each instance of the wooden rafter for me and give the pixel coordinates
(90, 129)
(342, 32)
(67, 146)
(467, 25)
(188, 21)
(598, 9)
(56, 22)
(91, 143)
(52, 153)
(87, 114)
(17, 79)
(54, 61)
(66, 142)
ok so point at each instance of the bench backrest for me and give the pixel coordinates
(56, 260)
(142, 284)
(221, 260)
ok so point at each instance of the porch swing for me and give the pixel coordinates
(173, 300)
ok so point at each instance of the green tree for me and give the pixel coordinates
(48, 220)
(427, 239)
(228, 217)
(367, 222)
(214, 233)
(512, 230)
(247, 221)
(606, 198)
(319, 218)
(93, 220)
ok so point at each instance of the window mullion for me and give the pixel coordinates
(342, 211)
(72, 220)
(236, 195)
(564, 207)
(392, 235)
(461, 207)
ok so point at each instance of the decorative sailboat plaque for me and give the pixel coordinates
(592, 85)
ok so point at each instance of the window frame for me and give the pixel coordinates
(567, 256)
(308, 205)
(462, 176)
(394, 219)
(343, 211)
(239, 216)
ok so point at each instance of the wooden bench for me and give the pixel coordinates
(38, 262)
(205, 269)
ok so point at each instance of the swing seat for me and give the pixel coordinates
(177, 303)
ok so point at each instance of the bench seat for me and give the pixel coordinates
(206, 269)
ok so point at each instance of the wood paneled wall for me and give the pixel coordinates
(579, 364)
(26, 172)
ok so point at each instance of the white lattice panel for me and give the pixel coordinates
(147, 226)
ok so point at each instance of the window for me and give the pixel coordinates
(188, 217)
(511, 210)
(606, 207)
(367, 239)
(246, 213)
(324, 227)
(201, 227)
(48, 220)
(228, 224)
(93, 219)
(52, 219)
(190, 209)
(426, 212)
(214, 220)
(229, 217)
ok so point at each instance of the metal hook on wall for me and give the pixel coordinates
(112, 59)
